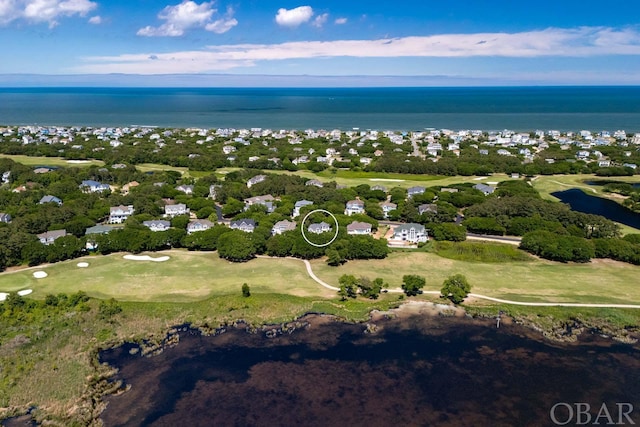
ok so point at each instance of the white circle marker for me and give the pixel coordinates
(315, 244)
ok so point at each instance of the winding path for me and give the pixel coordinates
(484, 297)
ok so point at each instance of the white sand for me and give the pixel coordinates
(25, 292)
(3, 296)
(78, 161)
(385, 179)
(39, 274)
(145, 258)
(83, 264)
(479, 178)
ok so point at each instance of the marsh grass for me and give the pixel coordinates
(480, 252)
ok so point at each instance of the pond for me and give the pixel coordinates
(580, 201)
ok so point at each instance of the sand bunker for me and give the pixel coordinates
(39, 274)
(386, 179)
(25, 292)
(83, 264)
(480, 178)
(78, 161)
(3, 296)
(145, 258)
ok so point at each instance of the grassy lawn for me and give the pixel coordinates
(49, 161)
(355, 178)
(547, 184)
(187, 276)
(596, 282)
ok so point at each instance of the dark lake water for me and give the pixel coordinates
(417, 371)
(580, 201)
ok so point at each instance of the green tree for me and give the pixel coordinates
(455, 288)
(236, 246)
(412, 284)
(246, 291)
(348, 286)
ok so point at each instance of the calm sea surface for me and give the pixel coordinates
(523, 108)
(418, 371)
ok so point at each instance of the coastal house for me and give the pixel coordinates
(387, 207)
(91, 233)
(266, 201)
(486, 189)
(414, 191)
(314, 182)
(49, 237)
(319, 228)
(428, 208)
(198, 225)
(50, 199)
(299, 205)
(354, 207)
(256, 180)
(174, 210)
(157, 225)
(186, 189)
(91, 186)
(5, 217)
(359, 228)
(246, 225)
(283, 226)
(128, 186)
(119, 214)
(213, 190)
(411, 232)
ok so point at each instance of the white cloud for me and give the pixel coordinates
(340, 21)
(223, 24)
(188, 15)
(294, 17)
(38, 11)
(577, 42)
(95, 20)
(320, 20)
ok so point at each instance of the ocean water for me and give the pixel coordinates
(493, 108)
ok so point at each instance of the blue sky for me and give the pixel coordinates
(482, 42)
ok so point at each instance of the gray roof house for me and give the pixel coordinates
(486, 189)
(283, 226)
(157, 224)
(5, 217)
(91, 243)
(413, 191)
(255, 180)
(411, 232)
(50, 199)
(178, 209)
(91, 186)
(246, 225)
(49, 237)
(387, 207)
(266, 201)
(319, 228)
(98, 229)
(354, 207)
(199, 225)
(119, 214)
(315, 182)
(299, 205)
(359, 228)
(428, 208)
(186, 189)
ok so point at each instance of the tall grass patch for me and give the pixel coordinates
(480, 252)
